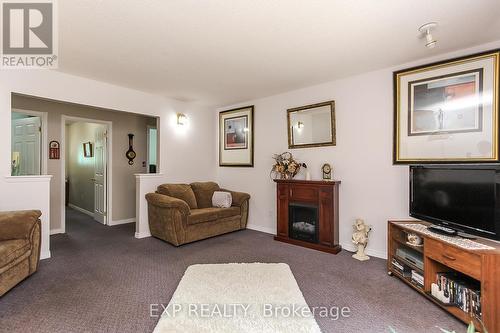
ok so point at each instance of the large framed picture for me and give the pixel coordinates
(236, 137)
(447, 112)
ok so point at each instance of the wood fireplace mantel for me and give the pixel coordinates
(322, 194)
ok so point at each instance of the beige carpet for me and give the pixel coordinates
(251, 297)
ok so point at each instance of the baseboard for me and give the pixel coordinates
(56, 231)
(44, 255)
(118, 222)
(260, 228)
(142, 234)
(374, 253)
(81, 210)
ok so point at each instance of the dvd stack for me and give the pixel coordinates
(402, 269)
(463, 292)
(417, 279)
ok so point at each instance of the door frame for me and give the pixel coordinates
(109, 165)
(148, 128)
(44, 146)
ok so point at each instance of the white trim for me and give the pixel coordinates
(375, 253)
(346, 246)
(147, 175)
(109, 163)
(142, 234)
(28, 179)
(44, 141)
(44, 255)
(81, 210)
(124, 221)
(148, 129)
(260, 228)
(56, 231)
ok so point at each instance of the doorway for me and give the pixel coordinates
(152, 149)
(86, 166)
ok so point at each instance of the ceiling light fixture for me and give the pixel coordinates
(425, 30)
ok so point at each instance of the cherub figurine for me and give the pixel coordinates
(360, 239)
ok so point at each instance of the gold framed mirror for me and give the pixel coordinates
(311, 125)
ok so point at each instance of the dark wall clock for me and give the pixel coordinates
(130, 152)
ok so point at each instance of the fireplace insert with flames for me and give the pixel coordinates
(303, 222)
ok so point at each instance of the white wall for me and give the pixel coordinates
(372, 188)
(186, 155)
(123, 180)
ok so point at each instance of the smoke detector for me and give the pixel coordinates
(426, 30)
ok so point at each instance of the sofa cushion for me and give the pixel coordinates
(10, 250)
(204, 192)
(202, 215)
(179, 191)
(228, 212)
(211, 214)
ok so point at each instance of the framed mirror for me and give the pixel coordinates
(311, 125)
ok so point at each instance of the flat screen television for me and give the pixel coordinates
(461, 197)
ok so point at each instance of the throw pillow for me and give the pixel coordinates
(222, 199)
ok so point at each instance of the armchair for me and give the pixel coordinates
(20, 239)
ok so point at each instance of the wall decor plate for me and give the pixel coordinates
(447, 112)
(236, 137)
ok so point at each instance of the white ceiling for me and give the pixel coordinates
(224, 51)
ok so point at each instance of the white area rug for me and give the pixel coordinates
(237, 298)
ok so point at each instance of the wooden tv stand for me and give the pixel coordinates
(440, 256)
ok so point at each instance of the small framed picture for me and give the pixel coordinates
(447, 112)
(236, 133)
(236, 137)
(88, 150)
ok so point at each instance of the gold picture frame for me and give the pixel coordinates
(448, 111)
(303, 120)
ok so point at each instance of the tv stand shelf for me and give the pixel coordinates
(439, 255)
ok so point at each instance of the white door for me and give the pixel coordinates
(26, 134)
(100, 173)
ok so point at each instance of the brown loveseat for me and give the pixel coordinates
(182, 213)
(19, 246)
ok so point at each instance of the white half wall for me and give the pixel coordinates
(23, 193)
(372, 188)
(145, 183)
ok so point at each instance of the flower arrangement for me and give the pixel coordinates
(285, 167)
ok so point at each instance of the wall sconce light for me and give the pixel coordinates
(181, 119)
(300, 125)
(425, 30)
